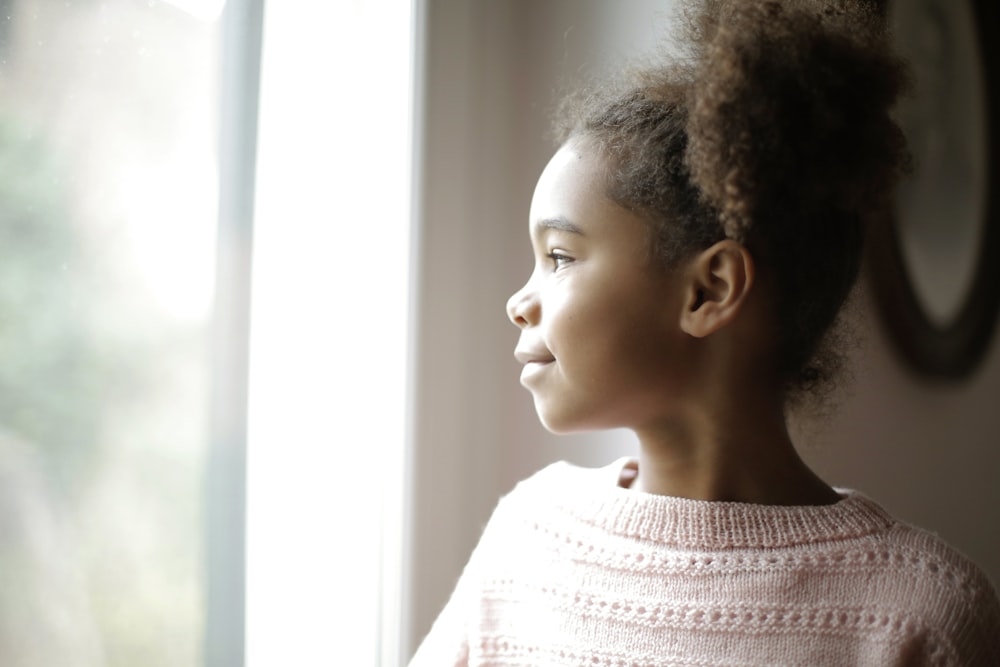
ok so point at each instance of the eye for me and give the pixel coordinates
(559, 259)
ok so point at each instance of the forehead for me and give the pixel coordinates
(571, 197)
(571, 184)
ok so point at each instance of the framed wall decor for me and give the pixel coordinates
(935, 260)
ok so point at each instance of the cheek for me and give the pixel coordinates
(601, 331)
(634, 340)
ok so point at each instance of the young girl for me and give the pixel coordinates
(695, 237)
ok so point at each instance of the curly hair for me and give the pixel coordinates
(773, 130)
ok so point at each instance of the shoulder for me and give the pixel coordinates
(930, 564)
(563, 474)
(949, 599)
(551, 497)
(560, 485)
(562, 478)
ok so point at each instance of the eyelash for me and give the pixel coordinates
(559, 259)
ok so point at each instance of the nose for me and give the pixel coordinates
(522, 308)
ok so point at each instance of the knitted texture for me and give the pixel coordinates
(573, 570)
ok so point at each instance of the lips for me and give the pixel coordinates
(535, 360)
(533, 356)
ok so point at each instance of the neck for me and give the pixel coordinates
(737, 452)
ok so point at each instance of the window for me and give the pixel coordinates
(108, 201)
(329, 333)
(114, 448)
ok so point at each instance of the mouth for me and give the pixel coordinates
(533, 357)
(535, 361)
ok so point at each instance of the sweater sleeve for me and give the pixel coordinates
(447, 643)
(978, 636)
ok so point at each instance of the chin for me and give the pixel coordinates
(556, 429)
(559, 424)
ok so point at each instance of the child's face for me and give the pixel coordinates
(600, 337)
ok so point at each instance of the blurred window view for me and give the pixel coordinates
(108, 205)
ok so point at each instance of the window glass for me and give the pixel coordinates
(107, 224)
(329, 335)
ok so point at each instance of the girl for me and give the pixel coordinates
(695, 237)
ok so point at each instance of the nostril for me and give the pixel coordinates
(523, 308)
(515, 309)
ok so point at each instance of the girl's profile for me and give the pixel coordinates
(695, 237)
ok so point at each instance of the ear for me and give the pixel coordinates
(718, 283)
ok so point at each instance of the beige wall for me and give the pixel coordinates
(929, 453)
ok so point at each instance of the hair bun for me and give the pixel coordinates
(789, 110)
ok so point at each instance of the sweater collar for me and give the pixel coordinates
(593, 496)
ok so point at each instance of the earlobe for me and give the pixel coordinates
(719, 282)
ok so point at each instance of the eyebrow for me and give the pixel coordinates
(560, 223)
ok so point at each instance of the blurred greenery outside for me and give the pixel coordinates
(103, 387)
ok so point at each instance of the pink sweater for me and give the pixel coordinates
(573, 570)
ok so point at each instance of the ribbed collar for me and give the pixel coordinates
(593, 496)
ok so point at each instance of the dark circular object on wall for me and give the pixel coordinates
(934, 259)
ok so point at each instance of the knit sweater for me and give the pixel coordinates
(573, 570)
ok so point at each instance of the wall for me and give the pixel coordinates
(491, 68)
